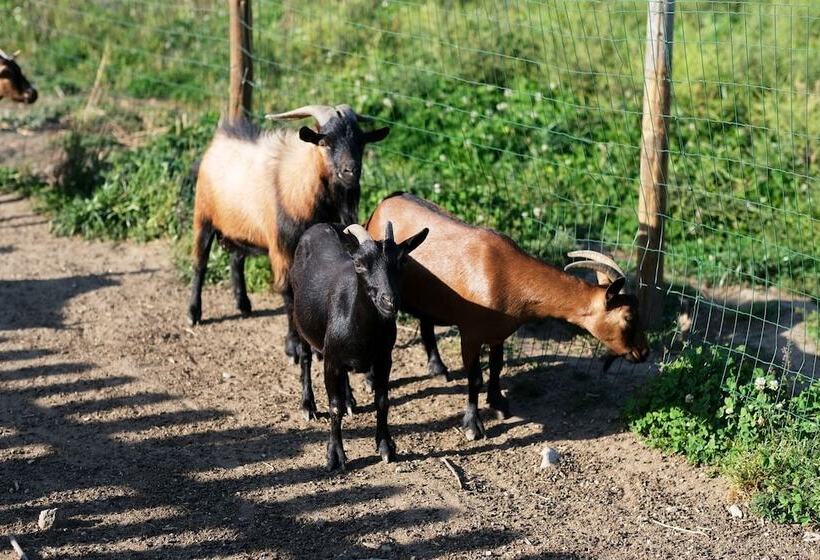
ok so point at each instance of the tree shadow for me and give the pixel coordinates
(198, 473)
(35, 303)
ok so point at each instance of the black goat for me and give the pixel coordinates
(345, 299)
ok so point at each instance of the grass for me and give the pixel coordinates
(525, 118)
(755, 427)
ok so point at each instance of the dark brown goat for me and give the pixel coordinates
(259, 191)
(482, 282)
(13, 84)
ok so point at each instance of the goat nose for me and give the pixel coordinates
(386, 301)
(31, 96)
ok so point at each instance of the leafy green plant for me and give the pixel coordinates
(717, 411)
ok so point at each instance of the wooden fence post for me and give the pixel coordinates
(241, 89)
(654, 158)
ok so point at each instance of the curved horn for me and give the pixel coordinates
(597, 257)
(16, 53)
(388, 232)
(358, 232)
(322, 114)
(597, 267)
(4, 55)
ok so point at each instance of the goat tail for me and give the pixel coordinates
(187, 193)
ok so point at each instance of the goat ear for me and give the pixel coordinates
(411, 243)
(376, 135)
(613, 290)
(307, 134)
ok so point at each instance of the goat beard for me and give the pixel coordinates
(608, 359)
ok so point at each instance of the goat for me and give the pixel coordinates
(259, 191)
(482, 282)
(345, 300)
(13, 83)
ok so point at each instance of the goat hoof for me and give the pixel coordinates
(194, 315)
(474, 429)
(244, 307)
(437, 369)
(387, 450)
(501, 407)
(335, 457)
(309, 412)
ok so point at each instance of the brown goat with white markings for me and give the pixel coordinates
(257, 192)
(13, 84)
(482, 282)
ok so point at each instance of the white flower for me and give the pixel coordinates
(437, 188)
(760, 383)
(536, 212)
(773, 385)
(689, 398)
(387, 102)
(502, 107)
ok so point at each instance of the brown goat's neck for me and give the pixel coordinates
(553, 293)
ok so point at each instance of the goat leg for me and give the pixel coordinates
(204, 234)
(308, 400)
(334, 380)
(240, 291)
(292, 344)
(495, 399)
(381, 378)
(350, 400)
(473, 426)
(435, 366)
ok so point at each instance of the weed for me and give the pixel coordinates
(717, 411)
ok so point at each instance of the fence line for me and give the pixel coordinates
(525, 116)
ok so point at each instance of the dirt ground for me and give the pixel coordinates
(155, 440)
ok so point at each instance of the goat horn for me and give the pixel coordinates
(358, 232)
(15, 54)
(322, 114)
(4, 55)
(598, 257)
(388, 231)
(597, 267)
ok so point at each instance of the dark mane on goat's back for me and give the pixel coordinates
(242, 129)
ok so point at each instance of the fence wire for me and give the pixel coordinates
(525, 116)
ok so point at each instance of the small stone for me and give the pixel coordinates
(549, 457)
(47, 519)
(735, 511)
(227, 375)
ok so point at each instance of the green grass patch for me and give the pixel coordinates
(523, 117)
(763, 435)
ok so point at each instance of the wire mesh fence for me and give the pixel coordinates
(525, 116)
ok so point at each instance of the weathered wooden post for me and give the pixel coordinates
(241, 88)
(654, 158)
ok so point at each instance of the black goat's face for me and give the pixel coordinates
(343, 142)
(13, 83)
(378, 265)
